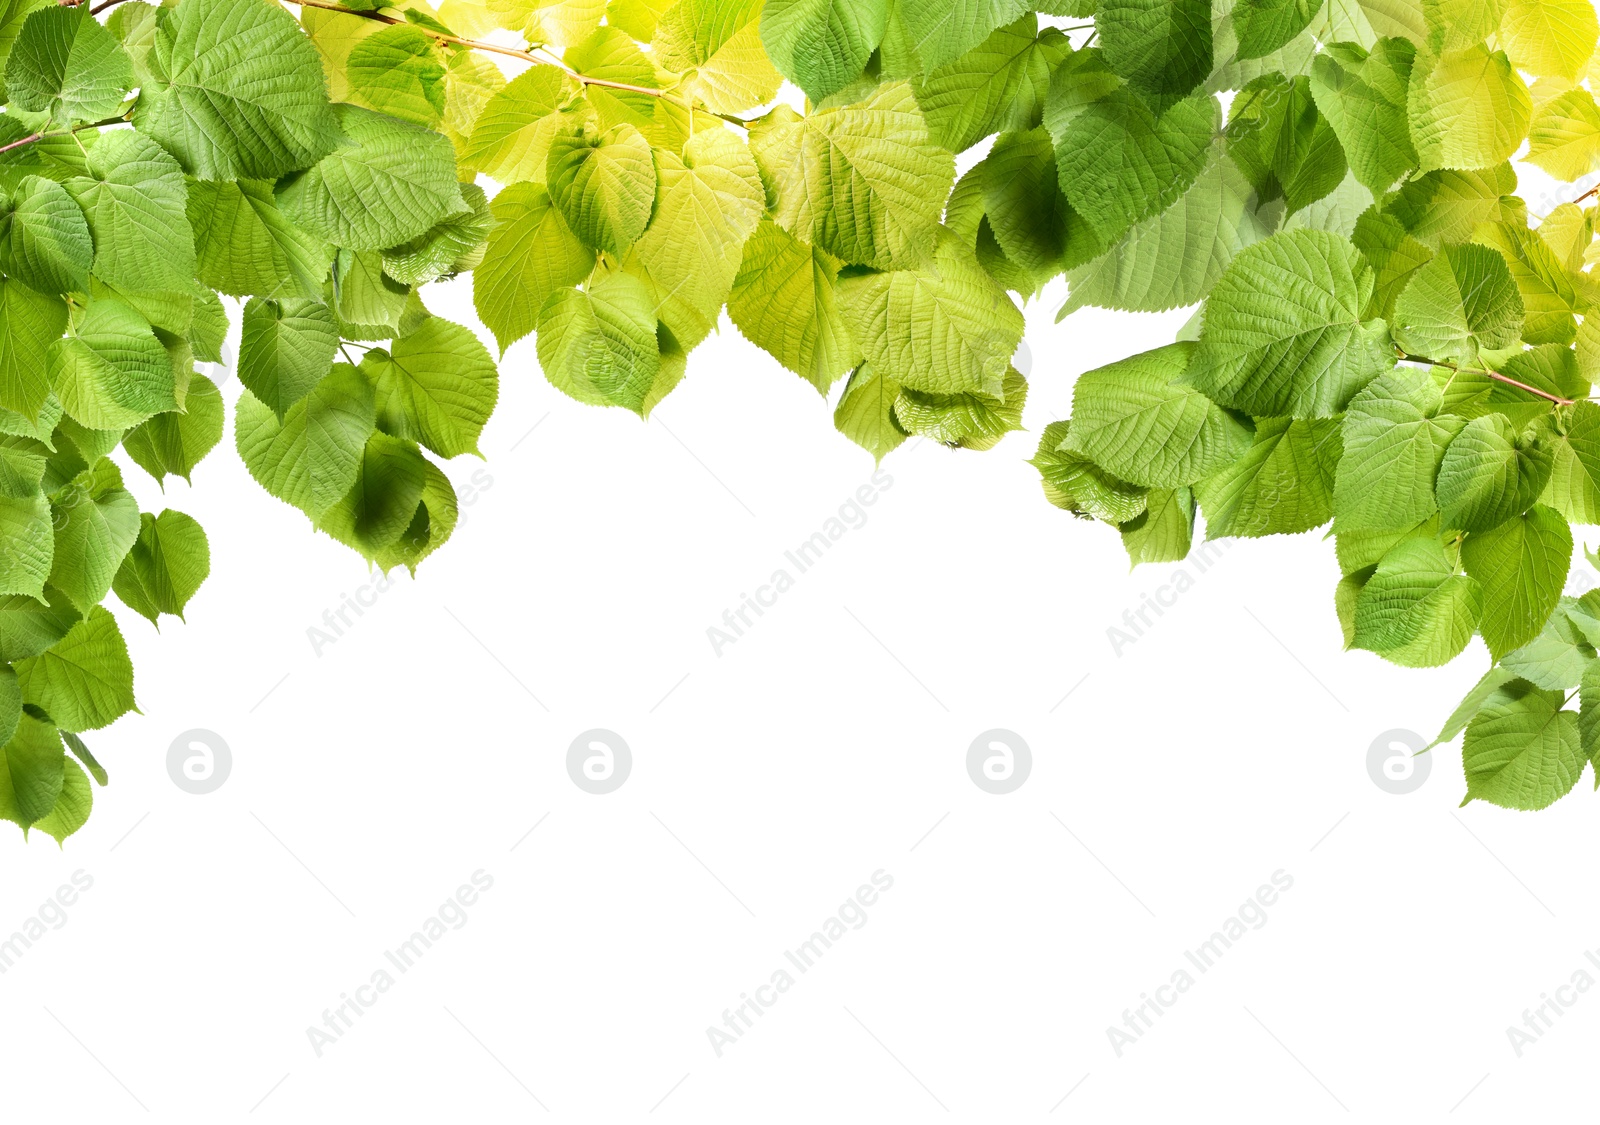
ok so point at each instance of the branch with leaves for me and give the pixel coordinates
(1384, 338)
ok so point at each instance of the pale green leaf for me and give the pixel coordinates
(532, 253)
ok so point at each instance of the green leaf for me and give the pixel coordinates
(246, 247)
(784, 300)
(942, 30)
(285, 348)
(1281, 141)
(1393, 254)
(67, 65)
(1284, 334)
(1119, 163)
(387, 181)
(312, 458)
(599, 345)
(1522, 565)
(73, 805)
(1174, 258)
(29, 542)
(532, 253)
(30, 322)
(822, 45)
(1550, 294)
(1282, 485)
(1462, 301)
(999, 84)
(10, 703)
(242, 93)
(1448, 206)
(964, 421)
(1163, 531)
(1363, 97)
(366, 302)
(708, 203)
(1136, 419)
(453, 245)
(94, 528)
(875, 154)
(1492, 680)
(1416, 611)
(1468, 109)
(134, 198)
(397, 71)
(1564, 138)
(1394, 439)
(382, 505)
(436, 386)
(165, 566)
(946, 329)
(1522, 751)
(604, 184)
(1551, 38)
(47, 243)
(1028, 214)
(1162, 47)
(865, 413)
(1075, 483)
(176, 441)
(511, 140)
(720, 42)
(1557, 657)
(1489, 474)
(28, 625)
(84, 681)
(1263, 26)
(111, 371)
(31, 766)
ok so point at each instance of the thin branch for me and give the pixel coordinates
(98, 8)
(120, 119)
(28, 140)
(1506, 379)
(1590, 194)
(479, 45)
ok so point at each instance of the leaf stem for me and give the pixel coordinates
(1506, 379)
(479, 45)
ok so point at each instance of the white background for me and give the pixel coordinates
(430, 742)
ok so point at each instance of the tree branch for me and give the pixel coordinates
(479, 45)
(121, 119)
(1506, 379)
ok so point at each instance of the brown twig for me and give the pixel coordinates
(1506, 379)
(479, 45)
(121, 119)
